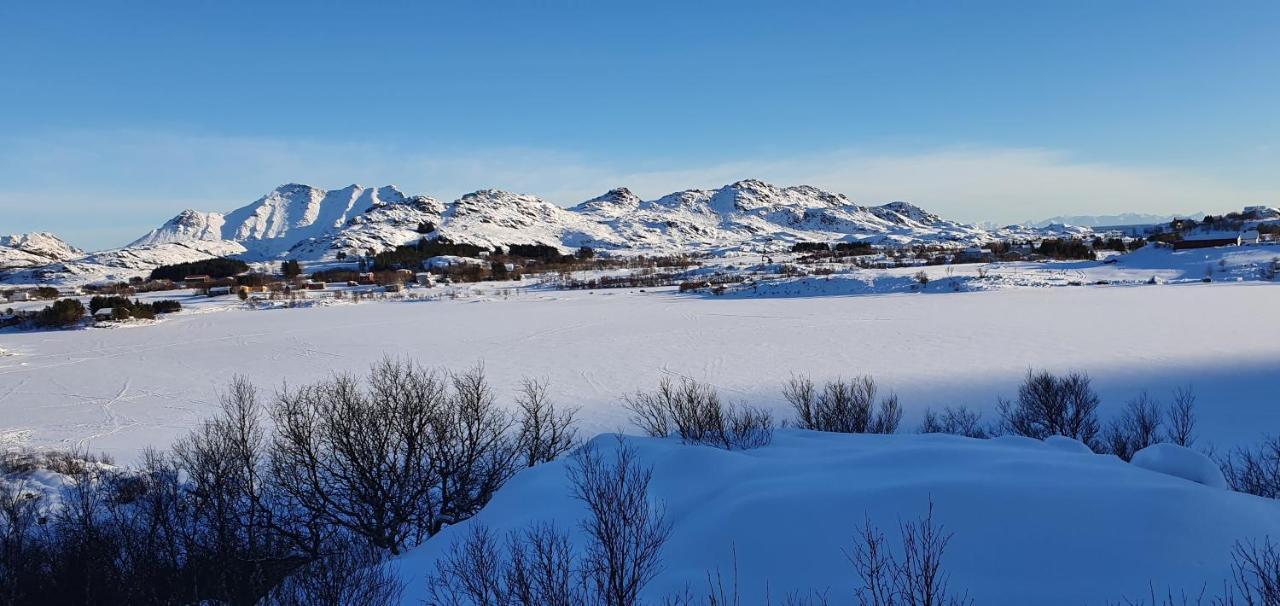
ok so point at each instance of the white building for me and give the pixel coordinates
(1248, 237)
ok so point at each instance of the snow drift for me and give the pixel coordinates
(1033, 523)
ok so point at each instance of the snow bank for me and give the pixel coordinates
(1180, 462)
(1031, 523)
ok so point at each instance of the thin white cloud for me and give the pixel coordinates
(75, 180)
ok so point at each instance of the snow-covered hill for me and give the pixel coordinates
(33, 249)
(1027, 519)
(120, 264)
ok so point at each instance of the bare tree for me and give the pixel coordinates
(227, 521)
(1182, 418)
(398, 459)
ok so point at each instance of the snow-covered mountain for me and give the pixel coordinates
(273, 224)
(311, 224)
(755, 215)
(304, 222)
(33, 249)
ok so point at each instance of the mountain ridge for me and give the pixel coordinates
(299, 221)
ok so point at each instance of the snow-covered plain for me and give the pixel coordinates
(121, 389)
(1033, 523)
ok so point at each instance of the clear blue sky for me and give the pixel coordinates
(116, 115)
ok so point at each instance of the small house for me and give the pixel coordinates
(424, 279)
(1248, 237)
(394, 287)
(219, 290)
(196, 279)
(106, 313)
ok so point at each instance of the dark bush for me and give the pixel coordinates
(61, 314)
(166, 306)
(214, 268)
(1049, 405)
(534, 251)
(411, 256)
(291, 269)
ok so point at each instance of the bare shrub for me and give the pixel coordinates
(1049, 405)
(888, 416)
(695, 412)
(1254, 581)
(348, 575)
(801, 393)
(1137, 427)
(626, 531)
(535, 567)
(546, 432)
(842, 406)
(64, 462)
(1256, 471)
(915, 577)
(539, 567)
(959, 420)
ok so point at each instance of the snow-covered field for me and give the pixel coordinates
(121, 389)
(1033, 522)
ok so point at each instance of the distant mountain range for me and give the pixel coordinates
(302, 222)
(1111, 220)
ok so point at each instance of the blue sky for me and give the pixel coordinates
(115, 116)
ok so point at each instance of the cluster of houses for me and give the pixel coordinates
(22, 294)
(1247, 237)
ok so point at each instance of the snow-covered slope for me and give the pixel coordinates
(383, 226)
(120, 264)
(492, 217)
(275, 223)
(188, 225)
(38, 248)
(1029, 519)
